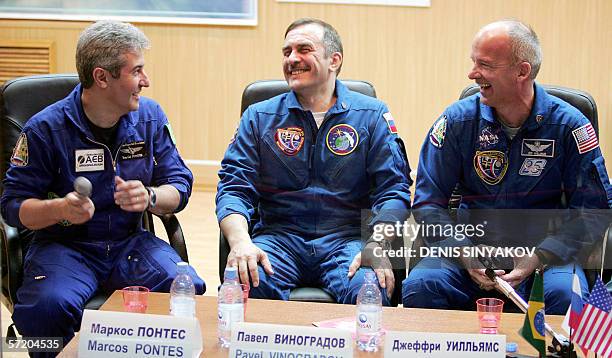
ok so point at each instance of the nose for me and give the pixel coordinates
(293, 57)
(474, 73)
(144, 79)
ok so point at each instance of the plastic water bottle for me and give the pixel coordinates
(182, 293)
(231, 306)
(369, 314)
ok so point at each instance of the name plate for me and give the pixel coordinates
(258, 340)
(444, 345)
(123, 334)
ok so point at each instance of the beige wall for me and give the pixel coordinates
(417, 58)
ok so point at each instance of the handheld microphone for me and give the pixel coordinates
(82, 186)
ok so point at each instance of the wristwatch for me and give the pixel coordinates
(152, 198)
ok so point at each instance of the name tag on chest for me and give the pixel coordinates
(135, 150)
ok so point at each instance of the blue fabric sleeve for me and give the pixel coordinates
(587, 189)
(236, 191)
(389, 171)
(438, 173)
(27, 181)
(169, 167)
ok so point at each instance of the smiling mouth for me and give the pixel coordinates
(298, 71)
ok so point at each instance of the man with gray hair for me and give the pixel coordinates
(122, 143)
(511, 146)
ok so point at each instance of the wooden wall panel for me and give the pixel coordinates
(25, 57)
(417, 58)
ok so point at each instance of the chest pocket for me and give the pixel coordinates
(135, 162)
(281, 170)
(346, 171)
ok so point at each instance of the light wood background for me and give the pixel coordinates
(417, 58)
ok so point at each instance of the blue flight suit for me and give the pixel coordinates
(310, 187)
(555, 153)
(67, 263)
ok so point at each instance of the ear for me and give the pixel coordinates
(100, 77)
(336, 62)
(524, 70)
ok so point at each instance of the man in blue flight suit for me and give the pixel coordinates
(512, 146)
(310, 161)
(122, 142)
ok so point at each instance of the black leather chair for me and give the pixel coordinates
(21, 98)
(585, 103)
(262, 90)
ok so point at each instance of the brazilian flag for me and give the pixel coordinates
(533, 329)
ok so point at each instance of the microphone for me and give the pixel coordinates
(82, 186)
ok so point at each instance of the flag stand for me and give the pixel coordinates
(561, 347)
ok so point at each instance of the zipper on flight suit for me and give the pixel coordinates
(311, 167)
(509, 151)
(313, 131)
(114, 164)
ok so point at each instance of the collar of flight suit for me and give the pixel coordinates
(540, 111)
(342, 100)
(73, 110)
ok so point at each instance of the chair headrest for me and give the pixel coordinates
(23, 97)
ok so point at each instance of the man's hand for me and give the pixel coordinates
(77, 209)
(246, 255)
(381, 266)
(523, 268)
(476, 270)
(483, 281)
(131, 195)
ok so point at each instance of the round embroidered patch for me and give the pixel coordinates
(491, 166)
(342, 139)
(290, 140)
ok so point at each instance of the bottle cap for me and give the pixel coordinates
(231, 273)
(182, 266)
(370, 276)
(511, 347)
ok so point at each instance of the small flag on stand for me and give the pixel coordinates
(572, 317)
(533, 329)
(595, 326)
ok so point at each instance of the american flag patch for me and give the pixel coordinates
(390, 122)
(585, 138)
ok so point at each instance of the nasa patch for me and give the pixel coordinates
(342, 139)
(487, 138)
